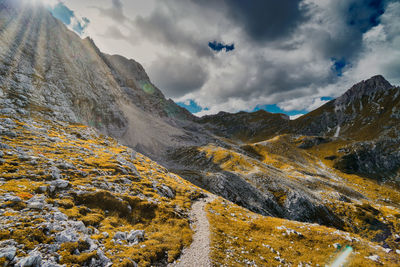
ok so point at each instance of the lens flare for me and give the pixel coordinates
(342, 258)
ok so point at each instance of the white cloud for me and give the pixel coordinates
(293, 71)
(295, 116)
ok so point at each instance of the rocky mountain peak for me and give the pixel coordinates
(374, 83)
(365, 87)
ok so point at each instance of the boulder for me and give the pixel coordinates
(120, 236)
(59, 216)
(36, 205)
(34, 259)
(55, 173)
(8, 252)
(136, 236)
(68, 235)
(60, 184)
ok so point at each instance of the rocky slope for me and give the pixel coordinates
(367, 117)
(307, 170)
(365, 111)
(48, 70)
(72, 197)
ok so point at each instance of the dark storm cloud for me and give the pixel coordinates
(261, 20)
(273, 79)
(177, 76)
(265, 20)
(162, 27)
(350, 19)
(365, 14)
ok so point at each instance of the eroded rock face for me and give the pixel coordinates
(375, 159)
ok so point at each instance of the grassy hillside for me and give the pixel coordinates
(242, 238)
(75, 197)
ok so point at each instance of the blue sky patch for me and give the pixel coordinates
(326, 98)
(275, 109)
(217, 46)
(63, 13)
(66, 15)
(192, 107)
(338, 65)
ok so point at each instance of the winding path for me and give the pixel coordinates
(197, 255)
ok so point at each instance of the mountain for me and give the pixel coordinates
(366, 111)
(364, 124)
(48, 70)
(367, 116)
(259, 188)
(245, 126)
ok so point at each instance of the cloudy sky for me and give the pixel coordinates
(283, 56)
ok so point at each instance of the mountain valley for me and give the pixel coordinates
(98, 168)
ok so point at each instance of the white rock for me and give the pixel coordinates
(36, 205)
(120, 236)
(92, 244)
(8, 252)
(373, 258)
(387, 250)
(79, 226)
(55, 173)
(60, 184)
(104, 261)
(135, 236)
(33, 260)
(105, 234)
(68, 235)
(59, 216)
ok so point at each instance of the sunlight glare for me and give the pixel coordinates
(45, 2)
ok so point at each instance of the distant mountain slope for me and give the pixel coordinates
(133, 79)
(368, 116)
(245, 126)
(366, 111)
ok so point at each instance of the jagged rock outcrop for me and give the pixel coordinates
(136, 84)
(378, 159)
